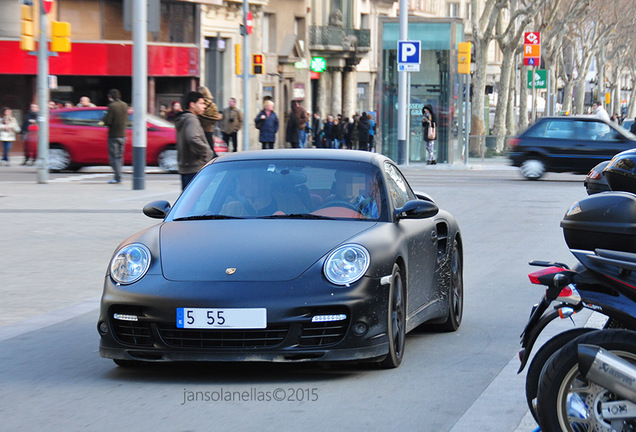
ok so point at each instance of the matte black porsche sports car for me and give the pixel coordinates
(284, 255)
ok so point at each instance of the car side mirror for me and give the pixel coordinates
(417, 209)
(157, 209)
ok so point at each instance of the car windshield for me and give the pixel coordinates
(299, 189)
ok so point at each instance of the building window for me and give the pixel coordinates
(269, 33)
(300, 30)
(178, 23)
(469, 9)
(453, 10)
(85, 17)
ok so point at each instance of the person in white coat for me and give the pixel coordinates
(9, 129)
(599, 111)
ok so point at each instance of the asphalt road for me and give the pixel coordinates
(55, 244)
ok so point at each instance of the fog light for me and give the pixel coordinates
(124, 317)
(103, 328)
(329, 318)
(359, 328)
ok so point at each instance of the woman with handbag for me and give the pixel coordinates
(429, 126)
(8, 129)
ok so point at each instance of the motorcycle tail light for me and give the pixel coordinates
(535, 277)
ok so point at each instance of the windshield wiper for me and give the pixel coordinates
(297, 216)
(207, 217)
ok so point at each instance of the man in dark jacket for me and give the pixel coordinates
(116, 118)
(193, 151)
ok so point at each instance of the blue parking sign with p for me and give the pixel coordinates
(409, 52)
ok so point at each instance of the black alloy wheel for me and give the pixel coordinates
(396, 326)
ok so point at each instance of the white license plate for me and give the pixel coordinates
(232, 318)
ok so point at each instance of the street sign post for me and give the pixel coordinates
(540, 79)
(409, 56)
(532, 48)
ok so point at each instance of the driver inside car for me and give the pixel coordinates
(357, 191)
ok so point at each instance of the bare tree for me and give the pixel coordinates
(483, 23)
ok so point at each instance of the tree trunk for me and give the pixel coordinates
(523, 99)
(511, 119)
(502, 101)
(579, 96)
(567, 96)
(477, 129)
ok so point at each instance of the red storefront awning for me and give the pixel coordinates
(103, 59)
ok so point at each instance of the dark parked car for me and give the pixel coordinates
(285, 255)
(567, 144)
(78, 137)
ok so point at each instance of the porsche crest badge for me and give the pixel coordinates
(230, 270)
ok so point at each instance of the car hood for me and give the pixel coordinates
(257, 250)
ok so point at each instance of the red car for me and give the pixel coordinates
(78, 137)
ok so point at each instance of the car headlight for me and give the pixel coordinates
(346, 264)
(130, 263)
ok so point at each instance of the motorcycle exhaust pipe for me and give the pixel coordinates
(608, 370)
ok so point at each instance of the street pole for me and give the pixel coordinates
(246, 78)
(402, 87)
(140, 91)
(42, 162)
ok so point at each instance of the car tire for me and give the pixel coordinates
(533, 168)
(542, 357)
(396, 320)
(167, 159)
(59, 159)
(455, 291)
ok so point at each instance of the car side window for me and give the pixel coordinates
(91, 118)
(559, 129)
(397, 186)
(598, 131)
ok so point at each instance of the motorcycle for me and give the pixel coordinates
(567, 292)
(600, 232)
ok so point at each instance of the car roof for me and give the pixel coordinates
(296, 154)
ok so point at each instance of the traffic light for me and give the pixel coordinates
(257, 64)
(60, 36)
(27, 43)
(463, 57)
(237, 59)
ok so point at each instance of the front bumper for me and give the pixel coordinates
(290, 334)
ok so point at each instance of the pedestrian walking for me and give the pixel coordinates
(429, 132)
(210, 117)
(329, 132)
(267, 123)
(116, 118)
(316, 130)
(292, 126)
(363, 131)
(8, 129)
(371, 133)
(31, 118)
(353, 131)
(175, 109)
(632, 128)
(193, 150)
(231, 123)
(301, 113)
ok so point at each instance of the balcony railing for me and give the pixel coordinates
(333, 36)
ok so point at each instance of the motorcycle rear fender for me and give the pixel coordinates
(531, 333)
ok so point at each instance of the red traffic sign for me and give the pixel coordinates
(48, 4)
(531, 61)
(249, 23)
(532, 38)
